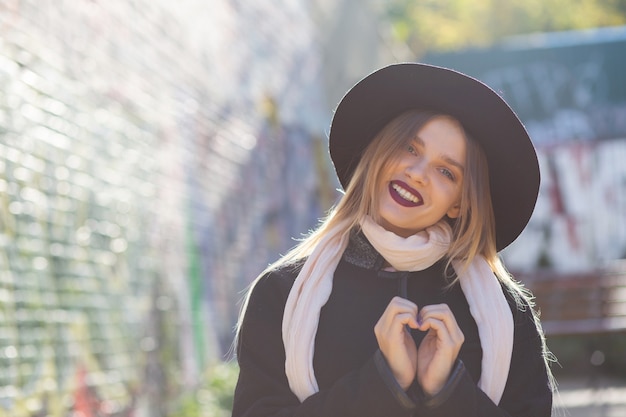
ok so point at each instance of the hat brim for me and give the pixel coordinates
(375, 100)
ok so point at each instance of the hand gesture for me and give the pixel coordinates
(395, 341)
(439, 348)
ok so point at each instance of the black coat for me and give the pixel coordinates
(352, 375)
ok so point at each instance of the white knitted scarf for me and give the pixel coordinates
(313, 286)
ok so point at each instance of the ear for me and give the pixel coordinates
(454, 211)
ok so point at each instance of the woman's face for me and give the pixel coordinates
(423, 181)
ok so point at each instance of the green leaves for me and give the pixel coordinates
(454, 24)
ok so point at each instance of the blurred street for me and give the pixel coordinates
(596, 396)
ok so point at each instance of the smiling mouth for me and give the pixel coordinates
(405, 195)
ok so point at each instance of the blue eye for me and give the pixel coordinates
(411, 149)
(448, 173)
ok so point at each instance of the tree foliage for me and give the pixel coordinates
(429, 25)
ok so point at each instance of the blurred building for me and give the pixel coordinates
(155, 156)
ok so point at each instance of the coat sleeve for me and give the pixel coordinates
(527, 392)
(262, 389)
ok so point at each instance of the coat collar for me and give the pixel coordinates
(361, 253)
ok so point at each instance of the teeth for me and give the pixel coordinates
(404, 193)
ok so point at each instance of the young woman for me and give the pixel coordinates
(398, 304)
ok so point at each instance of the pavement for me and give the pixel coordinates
(594, 396)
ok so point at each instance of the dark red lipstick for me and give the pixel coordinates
(397, 197)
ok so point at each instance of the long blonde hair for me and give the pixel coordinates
(474, 230)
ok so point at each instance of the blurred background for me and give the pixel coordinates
(155, 156)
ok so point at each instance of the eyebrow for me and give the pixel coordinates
(445, 157)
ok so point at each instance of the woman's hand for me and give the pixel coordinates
(395, 341)
(439, 349)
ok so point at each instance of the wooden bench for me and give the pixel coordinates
(584, 303)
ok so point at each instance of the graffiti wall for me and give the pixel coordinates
(141, 147)
(570, 92)
(579, 222)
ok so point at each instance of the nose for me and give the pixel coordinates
(417, 171)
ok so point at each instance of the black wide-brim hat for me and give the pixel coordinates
(379, 97)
